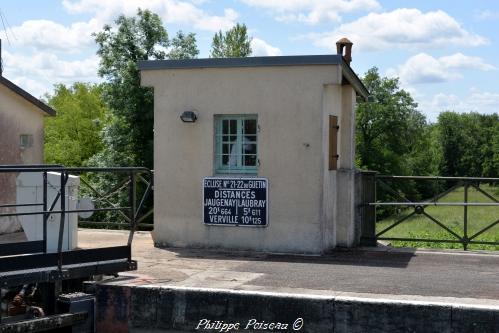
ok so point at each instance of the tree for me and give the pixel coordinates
(128, 137)
(469, 144)
(392, 138)
(73, 136)
(390, 129)
(183, 46)
(235, 43)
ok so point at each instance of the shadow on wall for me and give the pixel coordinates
(9, 154)
(8, 224)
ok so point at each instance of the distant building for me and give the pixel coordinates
(21, 125)
(255, 153)
(21, 137)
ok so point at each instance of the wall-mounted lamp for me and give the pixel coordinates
(188, 116)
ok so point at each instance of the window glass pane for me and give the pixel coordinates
(249, 148)
(225, 127)
(229, 138)
(233, 126)
(230, 154)
(250, 138)
(233, 159)
(250, 127)
(249, 160)
(226, 149)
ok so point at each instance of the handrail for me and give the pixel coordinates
(131, 210)
(413, 207)
(72, 170)
(480, 179)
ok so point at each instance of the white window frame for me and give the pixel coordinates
(239, 168)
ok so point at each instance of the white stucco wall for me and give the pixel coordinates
(17, 116)
(292, 103)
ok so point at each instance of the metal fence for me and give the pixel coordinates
(33, 255)
(394, 199)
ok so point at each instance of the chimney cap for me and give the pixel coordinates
(344, 40)
(345, 44)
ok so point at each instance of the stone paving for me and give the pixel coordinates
(437, 276)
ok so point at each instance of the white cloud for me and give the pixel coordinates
(209, 23)
(38, 73)
(46, 44)
(423, 68)
(49, 35)
(34, 87)
(459, 60)
(483, 99)
(171, 11)
(262, 48)
(45, 64)
(476, 100)
(313, 11)
(402, 28)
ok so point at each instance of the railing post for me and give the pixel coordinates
(465, 229)
(62, 218)
(132, 199)
(368, 215)
(45, 214)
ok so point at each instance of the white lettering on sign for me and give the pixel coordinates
(235, 201)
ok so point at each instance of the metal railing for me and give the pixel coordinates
(35, 254)
(409, 208)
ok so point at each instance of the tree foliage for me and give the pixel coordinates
(390, 129)
(394, 138)
(128, 138)
(73, 136)
(183, 46)
(469, 144)
(234, 43)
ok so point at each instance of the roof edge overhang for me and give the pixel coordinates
(304, 60)
(354, 80)
(27, 96)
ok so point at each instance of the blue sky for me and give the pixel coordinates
(444, 52)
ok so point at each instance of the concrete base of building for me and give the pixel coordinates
(129, 308)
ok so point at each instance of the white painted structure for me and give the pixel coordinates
(311, 208)
(30, 190)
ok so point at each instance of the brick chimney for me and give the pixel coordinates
(346, 44)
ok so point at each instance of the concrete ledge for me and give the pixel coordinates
(153, 308)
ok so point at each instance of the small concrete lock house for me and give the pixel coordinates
(255, 153)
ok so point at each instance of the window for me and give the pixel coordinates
(25, 141)
(236, 144)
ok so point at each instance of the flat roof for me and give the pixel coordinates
(302, 60)
(329, 59)
(27, 96)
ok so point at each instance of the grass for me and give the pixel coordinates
(419, 226)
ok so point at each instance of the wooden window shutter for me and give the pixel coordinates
(333, 142)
